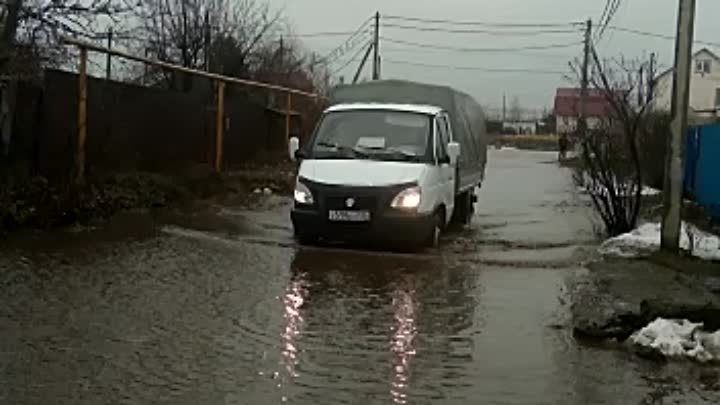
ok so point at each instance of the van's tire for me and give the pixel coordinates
(464, 210)
(305, 239)
(433, 238)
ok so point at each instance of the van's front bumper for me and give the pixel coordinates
(391, 226)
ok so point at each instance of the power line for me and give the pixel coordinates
(612, 6)
(480, 31)
(473, 68)
(462, 49)
(655, 35)
(479, 23)
(349, 43)
(352, 59)
(324, 34)
(605, 11)
(389, 49)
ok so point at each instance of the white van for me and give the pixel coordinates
(382, 171)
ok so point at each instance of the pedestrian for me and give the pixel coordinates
(563, 146)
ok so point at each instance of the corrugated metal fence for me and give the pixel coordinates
(702, 167)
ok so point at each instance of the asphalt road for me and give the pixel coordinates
(217, 305)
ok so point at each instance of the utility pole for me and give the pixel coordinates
(651, 79)
(362, 64)
(108, 60)
(641, 80)
(582, 121)
(672, 192)
(376, 48)
(504, 108)
(207, 40)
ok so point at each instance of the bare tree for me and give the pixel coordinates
(515, 113)
(34, 26)
(611, 166)
(219, 35)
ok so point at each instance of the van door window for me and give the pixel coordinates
(443, 138)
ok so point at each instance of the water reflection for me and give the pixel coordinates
(293, 300)
(402, 344)
(395, 328)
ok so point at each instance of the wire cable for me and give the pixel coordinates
(349, 43)
(480, 31)
(479, 23)
(355, 57)
(660, 36)
(462, 49)
(473, 68)
(323, 34)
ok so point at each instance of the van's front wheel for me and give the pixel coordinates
(433, 240)
(305, 239)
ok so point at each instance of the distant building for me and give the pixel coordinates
(704, 85)
(567, 109)
(520, 127)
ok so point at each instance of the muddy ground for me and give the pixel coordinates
(213, 303)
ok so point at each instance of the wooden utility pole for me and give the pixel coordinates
(362, 64)
(108, 60)
(376, 48)
(582, 119)
(651, 79)
(641, 80)
(504, 108)
(207, 40)
(672, 192)
(81, 118)
(288, 116)
(219, 125)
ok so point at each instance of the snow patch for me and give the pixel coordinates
(679, 338)
(600, 190)
(646, 239)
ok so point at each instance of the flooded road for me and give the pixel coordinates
(221, 307)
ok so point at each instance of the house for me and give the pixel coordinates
(567, 109)
(520, 127)
(704, 85)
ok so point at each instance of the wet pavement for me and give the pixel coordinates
(217, 305)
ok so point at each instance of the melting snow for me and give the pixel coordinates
(679, 338)
(646, 238)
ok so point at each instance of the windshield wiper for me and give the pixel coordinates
(341, 148)
(394, 151)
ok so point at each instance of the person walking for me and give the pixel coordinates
(563, 143)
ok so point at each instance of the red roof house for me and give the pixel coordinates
(567, 108)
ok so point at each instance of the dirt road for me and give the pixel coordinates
(219, 306)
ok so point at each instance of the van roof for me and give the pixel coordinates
(414, 108)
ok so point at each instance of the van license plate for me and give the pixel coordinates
(349, 216)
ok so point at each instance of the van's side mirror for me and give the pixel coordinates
(293, 148)
(453, 151)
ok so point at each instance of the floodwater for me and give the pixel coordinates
(218, 306)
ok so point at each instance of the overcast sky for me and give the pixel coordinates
(533, 90)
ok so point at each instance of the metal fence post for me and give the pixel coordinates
(288, 107)
(219, 125)
(81, 118)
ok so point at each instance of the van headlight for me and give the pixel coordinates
(303, 195)
(408, 198)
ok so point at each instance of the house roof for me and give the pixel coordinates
(567, 103)
(695, 55)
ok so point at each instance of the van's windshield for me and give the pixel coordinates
(374, 134)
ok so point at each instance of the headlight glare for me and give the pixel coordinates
(409, 198)
(303, 195)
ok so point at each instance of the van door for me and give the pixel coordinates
(447, 171)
